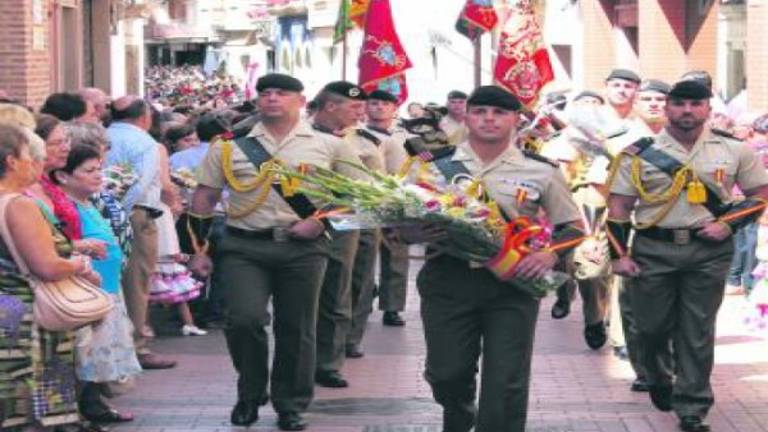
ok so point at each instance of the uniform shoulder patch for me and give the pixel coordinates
(324, 130)
(724, 134)
(638, 146)
(379, 130)
(369, 136)
(540, 158)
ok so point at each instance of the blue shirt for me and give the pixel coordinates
(135, 148)
(190, 158)
(96, 227)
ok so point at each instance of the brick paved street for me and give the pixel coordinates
(574, 389)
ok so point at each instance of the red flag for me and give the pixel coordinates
(522, 63)
(477, 17)
(383, 60)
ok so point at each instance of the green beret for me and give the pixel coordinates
(456, 94)
(654, 85)
(624, 74)
(279, 81)
(690, 89)
(382, 96)
(495, 96)
(346, 89)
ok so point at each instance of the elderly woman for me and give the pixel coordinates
(36, 366)
(105, 350)
(50, 196)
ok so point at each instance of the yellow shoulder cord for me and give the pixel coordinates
(263, 182)
(234, 183)
(406, 167)
(668, 197)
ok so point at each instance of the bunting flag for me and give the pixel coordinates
(522, 62)
(357, 11)
(383, 61)
(477, 17)
(343, 22)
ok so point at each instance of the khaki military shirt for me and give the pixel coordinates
(455, 131)
(544, 185)
(392, 147)
(367, 150)
(302, 145)
(711, 154)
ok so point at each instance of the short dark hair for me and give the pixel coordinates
(12, 140)
(64, 106)
(133, 111)
(175, 133)
(46, 123)
(78, 155)
(211, 124)
(325, 97)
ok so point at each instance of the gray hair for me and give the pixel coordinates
(89, 134)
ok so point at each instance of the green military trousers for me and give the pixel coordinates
(393, 276)
(335, 314)
(363, 283)
(675, 300)
(253, 270)
(468, 314)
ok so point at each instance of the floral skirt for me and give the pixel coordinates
(37, 374)
(105, 351)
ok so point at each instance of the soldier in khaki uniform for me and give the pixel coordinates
(678, 184)
(454, 124)
(268, 251)
(468, 312)
(651, 119)
(381, 149)
(340, 105)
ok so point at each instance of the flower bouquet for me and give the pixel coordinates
(118, 179)
(476, 230)
(184, 178)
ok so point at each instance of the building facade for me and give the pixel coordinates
(50, 45)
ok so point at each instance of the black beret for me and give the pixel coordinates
(346, 89)
(624, 74)
(496, 96)
(456, 94)
(279, 81)
(590, 93)
(654, 85)
(690, 89)
(382, 96)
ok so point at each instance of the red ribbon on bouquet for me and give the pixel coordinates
(515, 247)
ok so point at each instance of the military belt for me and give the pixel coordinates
(681, 237)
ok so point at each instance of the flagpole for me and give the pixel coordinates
(478, 44)
(344, 57)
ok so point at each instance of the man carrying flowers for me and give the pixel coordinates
(273, 247)
(468, 310)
